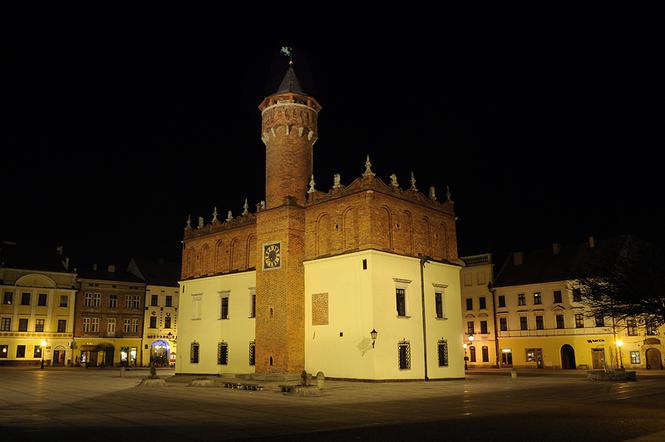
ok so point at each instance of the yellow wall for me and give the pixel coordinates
(160, 311)
(474, 280)
(361, 300)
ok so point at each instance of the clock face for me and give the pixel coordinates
(271, 256)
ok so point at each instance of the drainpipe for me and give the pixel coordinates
(496, 329)
(423, 259)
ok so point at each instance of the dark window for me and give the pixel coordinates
(469, 303)
(400, 296)
(443, 353)
(194, 353)
(153, 322)
(579, 320)
(154, 300)
(539, 323)
(470, 328)
(167, 322)
(25, 299)
(404, 355)
(6, 324)
(537, 299)
(438, 301)
(41, 300)
(22, 325)
(169, 301)
(577, 295)
(503, 324)
(600, 321)
(483, 327)
(20, 351)
(521, 299)
(560, 322)
(524, 325)
(39, 325)
(38, 352)
(62, 325)
(4, 349)
(486, 353)
(557, 296)
(502, 301)
(651, 328)
(252, 353)
(225, 308)
(8, 299)
(223, 353)
(113, 301)
(64, 300)
(483, 302)
(252, 307)
(472, 353)
(364, 264)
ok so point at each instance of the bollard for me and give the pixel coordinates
(513, 373)
(320, 378)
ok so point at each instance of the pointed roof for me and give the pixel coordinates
(290, 83)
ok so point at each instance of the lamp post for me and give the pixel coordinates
(424, 259)
(373, 334)
(466, 358)
(43, 345)
(619, 344)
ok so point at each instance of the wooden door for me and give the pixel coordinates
(598, 358)
(654, 360)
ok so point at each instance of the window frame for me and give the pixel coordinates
(537, 298)
(194, 353)
(223, 353)
(560, 324)
(442, 352)
(521, 299)
(524, 323)
(502, 300)
(404, 355)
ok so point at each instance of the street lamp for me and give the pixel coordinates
(43, 345)
(619, 343)
(373, 334)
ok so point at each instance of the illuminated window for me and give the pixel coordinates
(533, 354)
(579, 320)
(4, 350)
(404, 355)
(37, 353)
(557, 297)
(537, 299)
(222, 353)
(521, 299)
(635, 357)
(443, 353)
(39, 325)
(6, 324)
(194, 353)
(651, 327)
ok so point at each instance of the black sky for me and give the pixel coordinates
(545, 132)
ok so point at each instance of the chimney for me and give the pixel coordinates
(556, 248)
(111, 268)
(94, 267)
(592, 242)
(518, 258)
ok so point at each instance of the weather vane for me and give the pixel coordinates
(286, 50)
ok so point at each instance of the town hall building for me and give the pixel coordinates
(361, 281)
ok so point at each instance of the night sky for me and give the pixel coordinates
(111, 137)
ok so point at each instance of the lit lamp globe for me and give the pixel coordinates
(619, 343)
(471, 338)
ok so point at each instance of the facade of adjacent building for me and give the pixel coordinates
(478, 311)
(361, 281)
(160, 322)
(37, 309)
(543, 323)
(109, 318)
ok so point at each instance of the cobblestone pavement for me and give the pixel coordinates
(96, 404)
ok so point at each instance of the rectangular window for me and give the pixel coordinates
(37, 353)
(470, 328)
(443, 353)
(524, 325)
(153, 300)
(486, 353)
(136, 302)
(483, 302)
(194, 353)
(6, 324)
(135, 325)
(503, 324)
(20, 351)
(472, 354)
(25, 299)
(222, 353)
(196, 307)
(8, 299)
(113, 301)
(557, 297)
(404, 355)
(252, 305)
(62, 325)
(169, 301)
(153, 322)
(539, 323)
(438, 302)
(86, 325)
(252, 353)
(600, 321)
(39, 325)
(483, 327)
(560, 322)
(4, 349)
(400, 297)
(651, 328)
(41, 299)
(126, 325)
(87, 300)
(64, 301)
(631, 327)
(534, 354)
(167, 322)
(502, 301)
(521, 299)
(537, 299)
(577, 295)
(128, 302)
(579, 320)
(94, 325)
(110, 326)
(23, 324)
(224, 313)
(469, 303)
(97, 301)
(634, 357)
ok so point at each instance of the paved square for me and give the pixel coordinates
(79, 404)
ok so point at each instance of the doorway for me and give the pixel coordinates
(58, 356)
(654, 359)
(108, 355)
(159, 353)
(568, 357)
(506, 358)
(598, 358)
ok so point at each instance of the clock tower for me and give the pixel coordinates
(289, 131)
